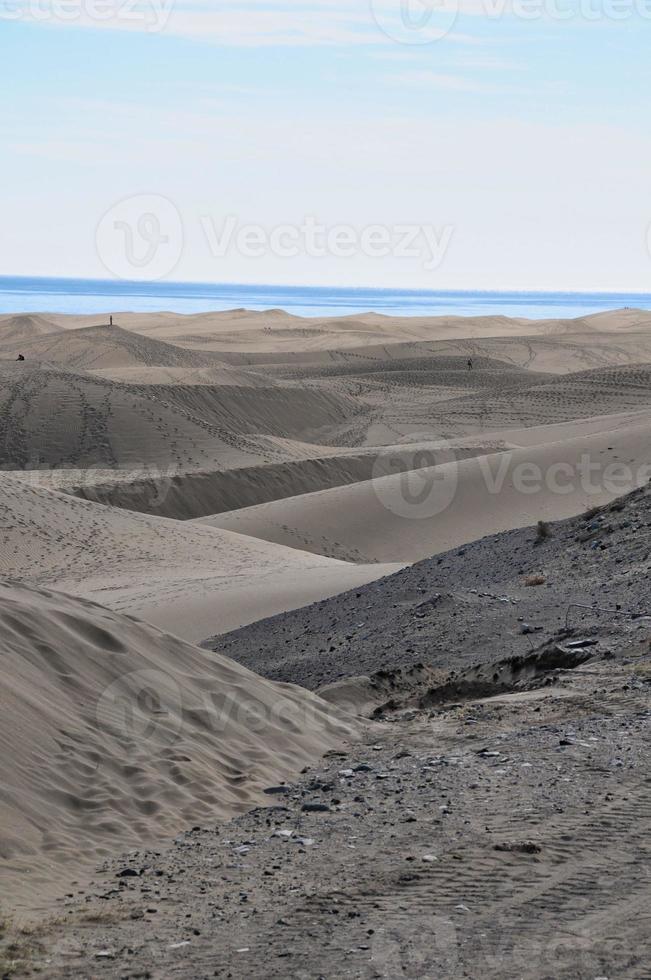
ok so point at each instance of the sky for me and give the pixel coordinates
(462, 144)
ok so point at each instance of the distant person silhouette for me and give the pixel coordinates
(110, 321)
(20, 358)
(470, 363)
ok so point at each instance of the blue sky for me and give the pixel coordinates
(522, 144)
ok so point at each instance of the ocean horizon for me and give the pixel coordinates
(27, 294)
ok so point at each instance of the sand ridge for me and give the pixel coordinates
(81, 775)
(417, 513)
(182, 576)
(276, 331)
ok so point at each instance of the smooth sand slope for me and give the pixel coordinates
(418, 513)
(115, 735)
(198, 493)
(190, 579)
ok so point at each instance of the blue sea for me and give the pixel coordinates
(25, 295)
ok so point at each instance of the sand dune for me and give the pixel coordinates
(190, 579)
(419, 513)
(420, 365)
(273, 331)
(288, 412)
(581, 395)
(23, 328)
(104, 346)
(114, 735)
(197, 493)
(49, 417)
(552, 353)
(500, 400)
(56, 418)
(116, 354)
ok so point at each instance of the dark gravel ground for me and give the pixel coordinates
(466, 606)
(507, 837)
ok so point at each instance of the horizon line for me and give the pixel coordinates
(154, 284)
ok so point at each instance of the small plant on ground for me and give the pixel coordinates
(543, 532)
(20, 946)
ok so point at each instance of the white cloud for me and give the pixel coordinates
(245, 23)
